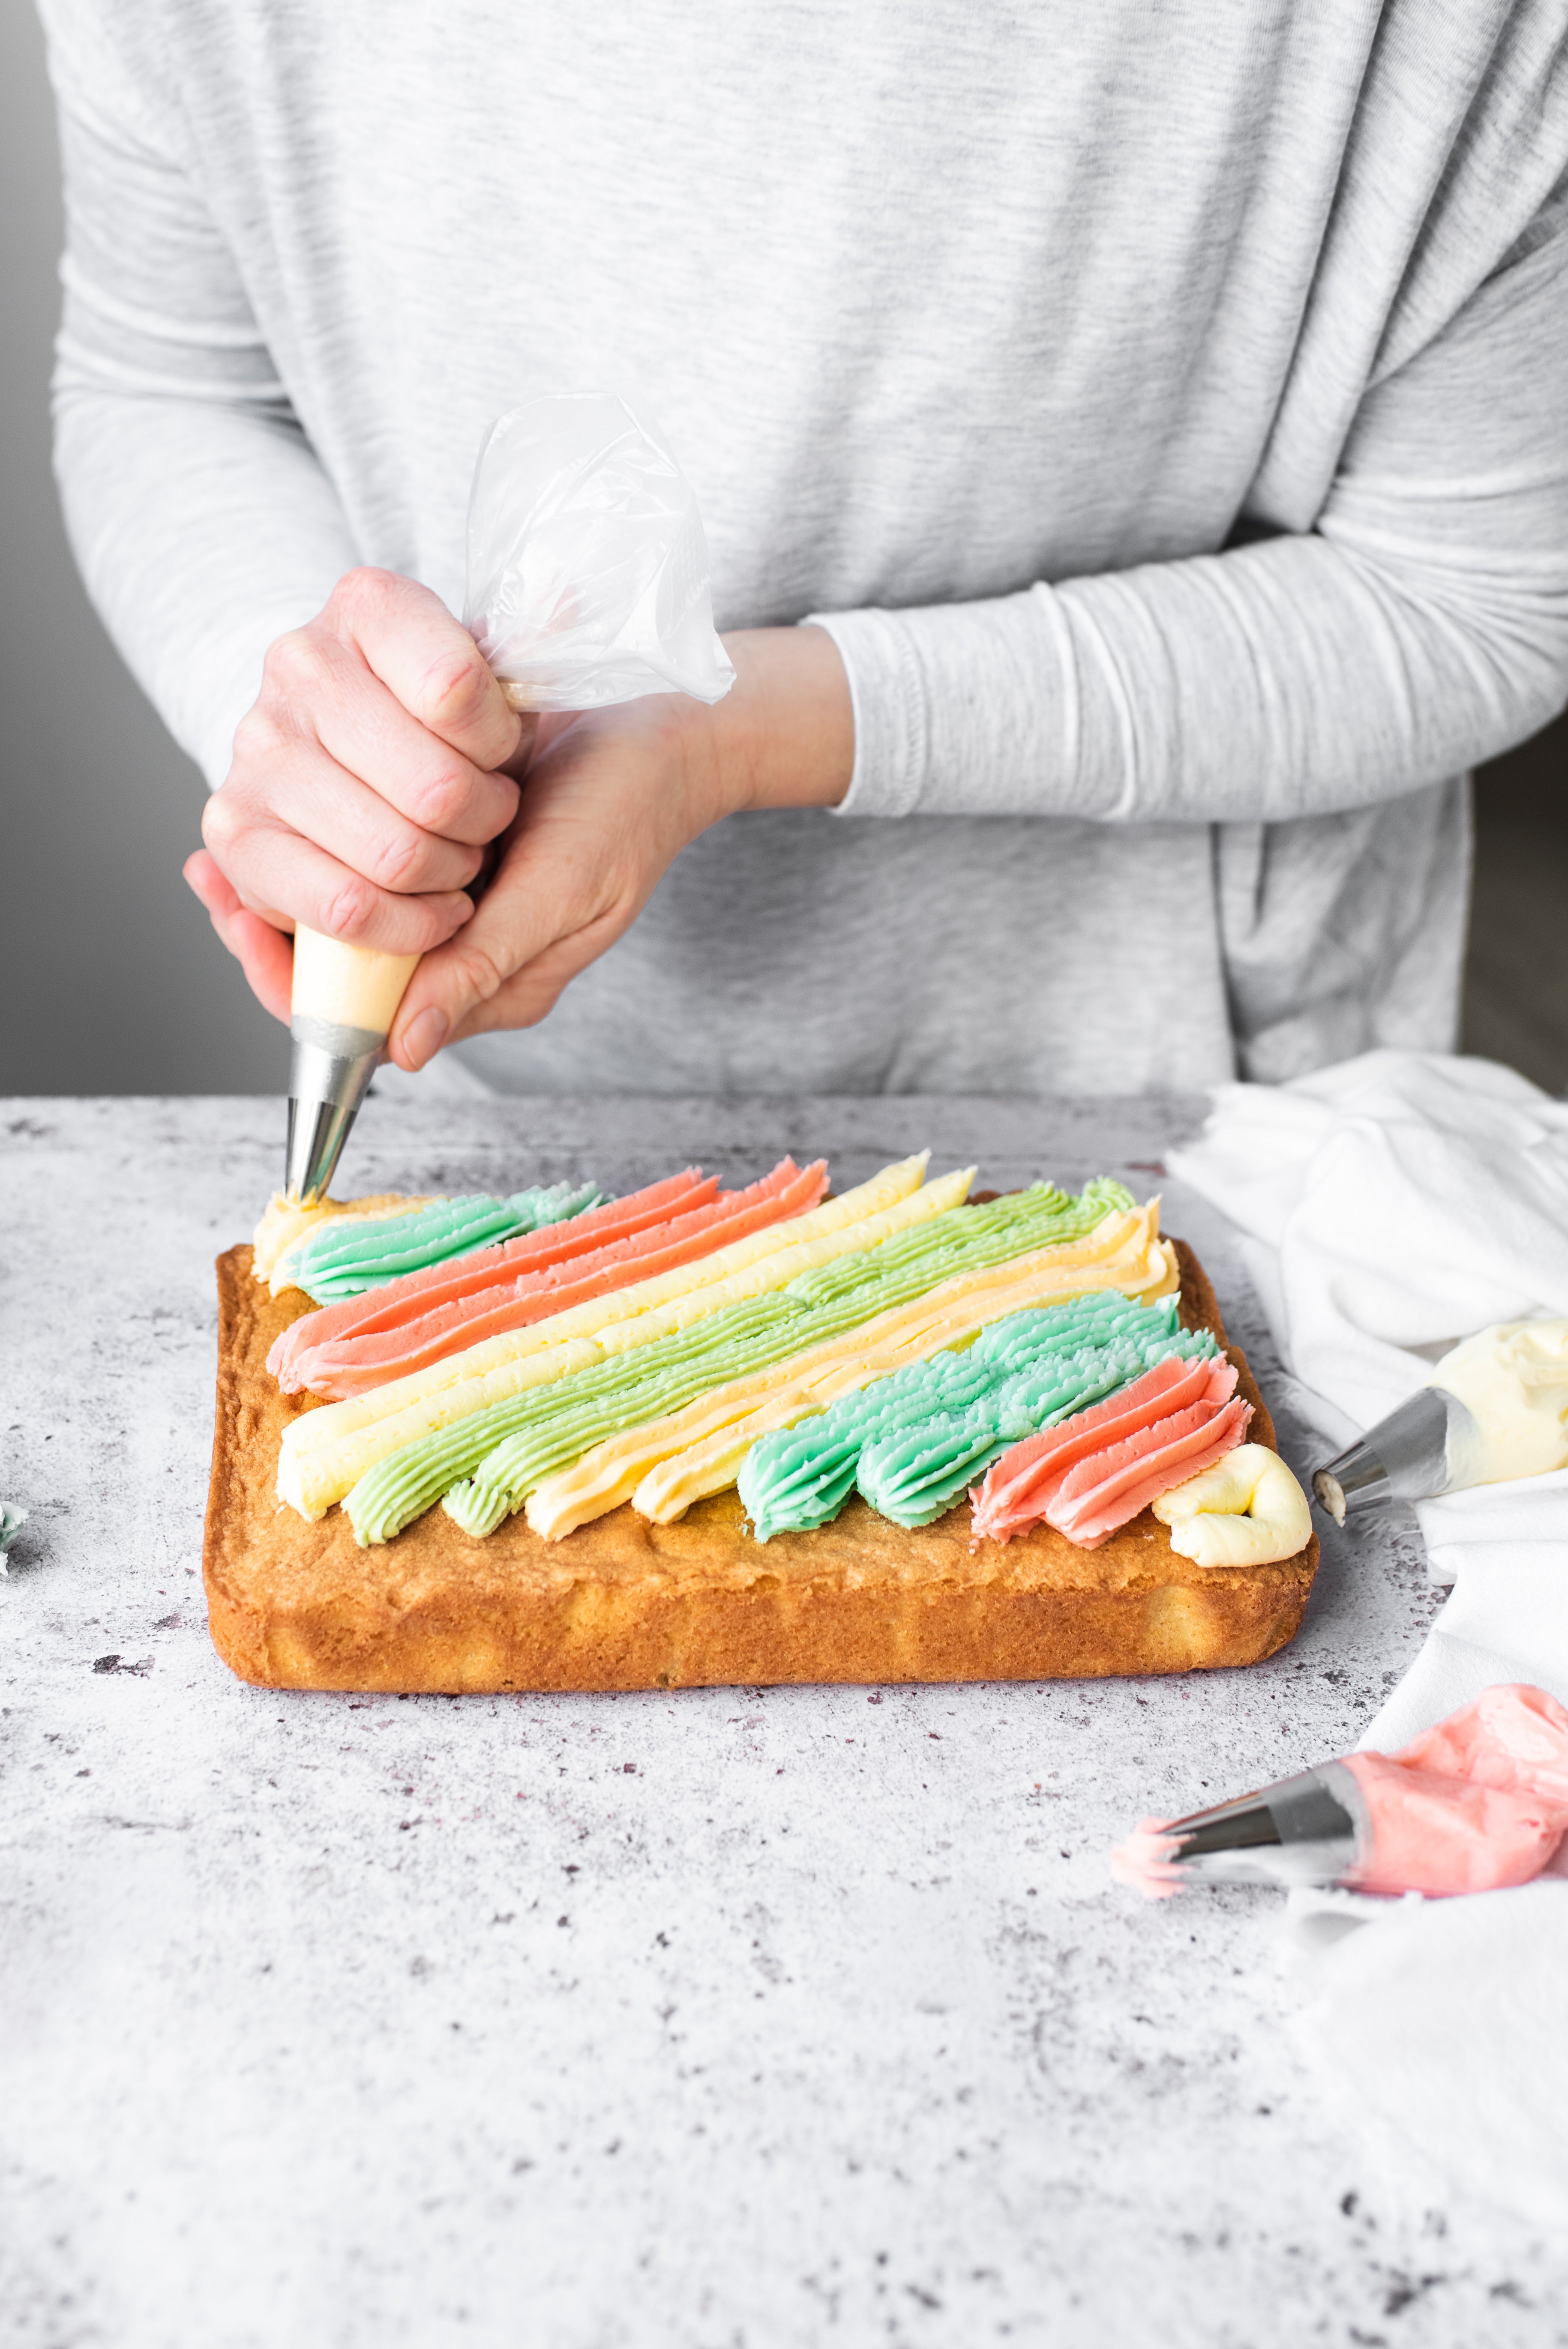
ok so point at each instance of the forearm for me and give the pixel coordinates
(1420, 626)
(1284, 680)
(784, 734)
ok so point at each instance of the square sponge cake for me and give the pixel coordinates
(625, 1604)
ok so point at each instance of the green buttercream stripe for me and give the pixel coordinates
(337, 1262)
(515, 1444)
(909, 1475)
(914, 1442)
(480, 1511)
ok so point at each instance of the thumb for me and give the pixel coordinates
(539, 926)
(458, 977)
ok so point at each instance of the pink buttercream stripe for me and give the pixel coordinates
(1093, 1519)
(1102, 1469)
(1085, 1461)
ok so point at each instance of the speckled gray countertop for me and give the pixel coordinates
(731, 2019)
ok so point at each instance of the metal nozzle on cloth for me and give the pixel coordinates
(330, 1073)
(1428, 1446)
(1308, 1829)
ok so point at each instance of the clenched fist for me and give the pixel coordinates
(381, 769)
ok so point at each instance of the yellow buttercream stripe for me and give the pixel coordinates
(665, 1465)
(326, 1453)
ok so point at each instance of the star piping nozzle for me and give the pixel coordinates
(344, 1002)
(1306, 1829)
(1428, 1445)
(330, 1070)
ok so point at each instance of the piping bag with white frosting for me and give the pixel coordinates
(1495, 1407)
(588, 584)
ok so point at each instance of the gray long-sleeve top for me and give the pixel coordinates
(1166, 401)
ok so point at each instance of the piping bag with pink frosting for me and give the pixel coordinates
(1476, 1803)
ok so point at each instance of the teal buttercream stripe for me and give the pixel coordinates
(914, 1442)
(333, 1263)
(798, 1478)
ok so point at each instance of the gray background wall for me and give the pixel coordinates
(111, 978)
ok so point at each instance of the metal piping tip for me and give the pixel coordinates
(330, 1070)
(1308, 1829)
(1419, 1450)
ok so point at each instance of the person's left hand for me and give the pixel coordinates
(610, 799)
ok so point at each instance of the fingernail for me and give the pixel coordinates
(425, 1036)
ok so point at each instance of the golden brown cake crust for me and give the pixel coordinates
(623, 1604)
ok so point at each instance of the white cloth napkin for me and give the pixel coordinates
(1441, 2031)
(1393, 1206)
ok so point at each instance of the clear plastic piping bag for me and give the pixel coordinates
(589, 575)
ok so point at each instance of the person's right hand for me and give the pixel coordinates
(367, 780)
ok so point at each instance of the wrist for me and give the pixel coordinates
(783, 736)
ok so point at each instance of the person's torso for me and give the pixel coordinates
(931, 302)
